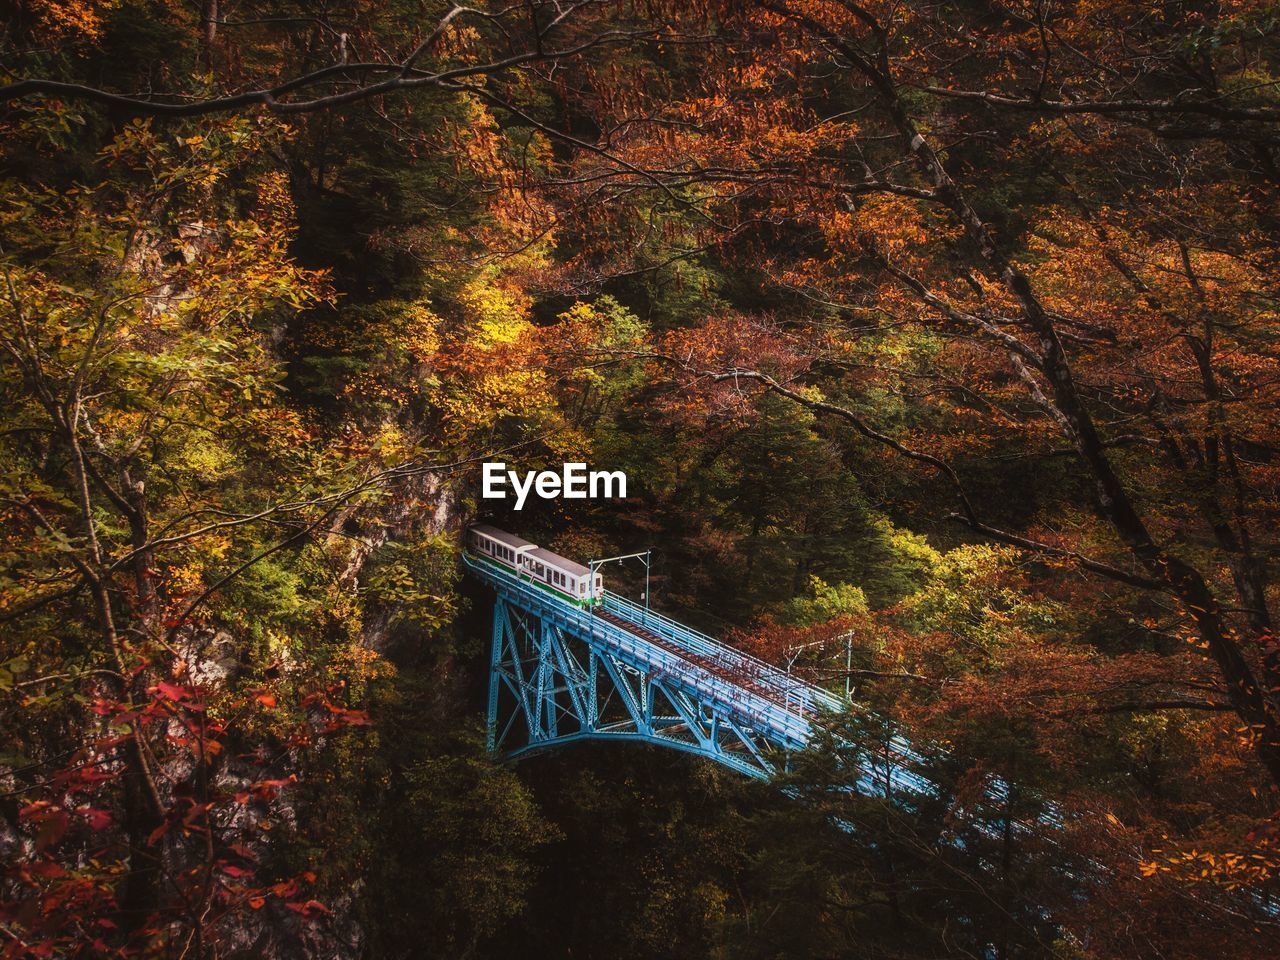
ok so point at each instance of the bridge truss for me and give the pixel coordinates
(560, 674)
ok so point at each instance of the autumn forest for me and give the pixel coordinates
(939, 343)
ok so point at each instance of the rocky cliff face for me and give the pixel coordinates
(213, 659)
(428, 504)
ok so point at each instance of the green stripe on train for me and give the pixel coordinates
(576, 601)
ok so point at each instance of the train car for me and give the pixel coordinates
(562, 576)
(498, 545)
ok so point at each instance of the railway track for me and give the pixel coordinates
(735, 673)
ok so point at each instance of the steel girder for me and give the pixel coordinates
(551, 685)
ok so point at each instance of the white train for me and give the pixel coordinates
(571, 580)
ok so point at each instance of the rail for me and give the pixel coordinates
(806, 696)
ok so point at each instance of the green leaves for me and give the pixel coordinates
(416, 581)
(11, 670)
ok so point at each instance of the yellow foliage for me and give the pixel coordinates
(72, 19)
(498, 314)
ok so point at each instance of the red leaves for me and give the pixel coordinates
(310, 908)
(51, 823)
(265, 790)
(722, 366)
(243, 852)
(60, 893)
(171, 691)
(47, 869)
(350, 718)
(338, 716)
(156, 835)
(51, 831)
(285, 891)
(95, 819)
(87, 776)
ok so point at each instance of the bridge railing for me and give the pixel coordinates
(800, 694)
(898, 767)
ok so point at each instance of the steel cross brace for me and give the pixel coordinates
(550, 685)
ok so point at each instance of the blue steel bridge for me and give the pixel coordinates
(561, 673)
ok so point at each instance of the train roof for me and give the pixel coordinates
(571, 567)
(510, 539)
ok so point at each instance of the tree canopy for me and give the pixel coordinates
(939, 341)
